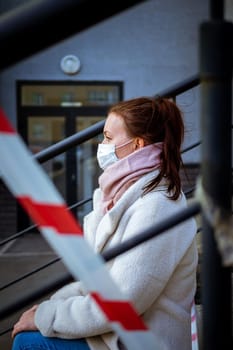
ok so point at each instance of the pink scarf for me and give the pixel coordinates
(119, 176)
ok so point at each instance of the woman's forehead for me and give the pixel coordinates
(114, 124)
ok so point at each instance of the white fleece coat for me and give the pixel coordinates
(158, 276)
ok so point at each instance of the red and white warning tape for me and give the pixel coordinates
(27, 181)
(195, 345)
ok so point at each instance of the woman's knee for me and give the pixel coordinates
(34, 340)
(25, 341)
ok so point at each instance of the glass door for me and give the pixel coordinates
(44, 131)
(74, 173)
(49, 112)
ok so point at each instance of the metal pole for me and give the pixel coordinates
(38, 24)
(216, 9)
(216, 93)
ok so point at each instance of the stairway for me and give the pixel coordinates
(18, 258)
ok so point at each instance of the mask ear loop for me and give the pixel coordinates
(124, 144)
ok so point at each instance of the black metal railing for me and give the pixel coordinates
(63, 146)
(216, 95)
(159, 228)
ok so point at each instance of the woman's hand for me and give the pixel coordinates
(26, 322)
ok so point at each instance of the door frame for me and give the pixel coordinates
(70, 114)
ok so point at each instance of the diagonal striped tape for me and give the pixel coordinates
(37, 194)
(52, 215)
(195, 345)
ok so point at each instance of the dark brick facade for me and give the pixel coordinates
(8, 212)
(189, 176)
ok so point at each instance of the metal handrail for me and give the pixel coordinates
(55, 260)
(71, 141)
(218, 333)
(180, 88)
(29, 228)
(154, 231)
(95, 129)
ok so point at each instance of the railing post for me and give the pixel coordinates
(216, 93)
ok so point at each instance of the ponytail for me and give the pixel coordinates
(171, 133)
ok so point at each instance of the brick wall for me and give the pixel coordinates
(189, 176)
(7, 212)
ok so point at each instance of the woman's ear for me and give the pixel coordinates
(139, 143)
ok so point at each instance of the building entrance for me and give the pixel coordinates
(47, 114)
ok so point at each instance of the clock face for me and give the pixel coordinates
(70, 64)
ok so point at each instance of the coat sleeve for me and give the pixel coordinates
(74, 317)
(70, 290)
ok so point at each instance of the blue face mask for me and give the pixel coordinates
(106, 154)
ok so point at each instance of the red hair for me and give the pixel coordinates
(157, 120)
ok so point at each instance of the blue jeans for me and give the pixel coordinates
(36, 341)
